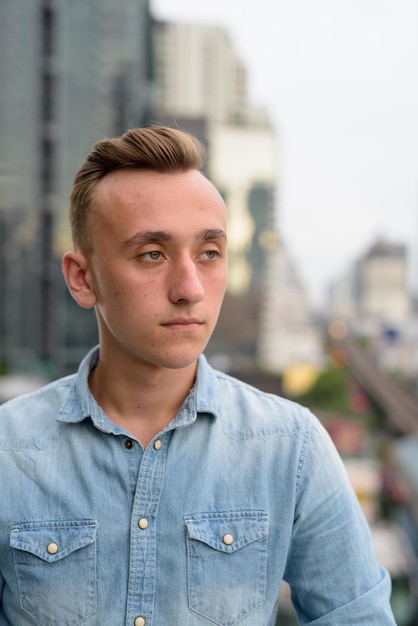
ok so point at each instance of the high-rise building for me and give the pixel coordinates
(243, 165)
(201, 83)
(376, 287)
(384, 282)
(72, 72)
(288, 338)
(198, 73)
(374, 298)
(84, 67)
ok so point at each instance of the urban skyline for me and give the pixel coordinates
(76, 101)
(339, 83)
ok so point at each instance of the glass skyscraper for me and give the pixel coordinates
(71, 72)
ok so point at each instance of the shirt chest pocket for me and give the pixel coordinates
(226, 564)
(56, 571)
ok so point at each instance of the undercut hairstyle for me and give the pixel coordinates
(156, 148)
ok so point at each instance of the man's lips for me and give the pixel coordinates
(183, 322)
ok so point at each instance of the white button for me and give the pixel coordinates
(143, 524)
(228, 539)
(52, 548)
(139, 621)
(157, 444)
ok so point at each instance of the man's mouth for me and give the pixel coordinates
(183, 323)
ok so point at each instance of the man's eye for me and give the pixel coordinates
(211, 254)
(154, 255)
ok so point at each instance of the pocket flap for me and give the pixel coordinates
(52, 541)
(227, 531)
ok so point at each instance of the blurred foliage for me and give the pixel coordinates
(4, 369)
(329, 391)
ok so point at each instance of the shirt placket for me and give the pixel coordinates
(142, 565)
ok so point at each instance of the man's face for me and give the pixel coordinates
(158, 265)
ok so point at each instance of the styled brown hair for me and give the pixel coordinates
(157, 148)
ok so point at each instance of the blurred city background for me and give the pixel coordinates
(331, 321)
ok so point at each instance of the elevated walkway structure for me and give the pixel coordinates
(399, 405)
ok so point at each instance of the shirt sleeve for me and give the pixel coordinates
(331, 568)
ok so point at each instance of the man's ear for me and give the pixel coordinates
(75, 268)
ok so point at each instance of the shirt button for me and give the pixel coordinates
(139, 621)
(228, 539)
(129, 444)
(143, 524)
(52, 548)
(157, 444)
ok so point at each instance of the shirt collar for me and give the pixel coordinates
(80, 404)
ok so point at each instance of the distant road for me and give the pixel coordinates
(400, 406)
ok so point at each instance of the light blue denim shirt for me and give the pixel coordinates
(241, 490)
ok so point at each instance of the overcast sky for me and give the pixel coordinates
(340, 81)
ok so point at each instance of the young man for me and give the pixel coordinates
(149, 489)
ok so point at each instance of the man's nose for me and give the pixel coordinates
(185, 283)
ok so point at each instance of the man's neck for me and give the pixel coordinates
(142, 399)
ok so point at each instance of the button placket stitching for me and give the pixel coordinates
(143, 539)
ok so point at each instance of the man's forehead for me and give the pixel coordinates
(132, 186)
(125, 179)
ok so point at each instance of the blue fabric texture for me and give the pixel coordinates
(242, 490)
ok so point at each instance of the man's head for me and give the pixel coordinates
(156, 148)
(151, 256)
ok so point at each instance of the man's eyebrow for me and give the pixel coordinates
(213, 233)
(155, 236)
(147, 236)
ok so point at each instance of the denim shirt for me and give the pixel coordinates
(241, 490)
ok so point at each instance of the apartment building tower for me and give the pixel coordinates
(72, 72)
(376, 286)
(201, 86)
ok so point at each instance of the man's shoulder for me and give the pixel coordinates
(250, 409)
(29, 414)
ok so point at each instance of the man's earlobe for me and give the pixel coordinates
(75, 268)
